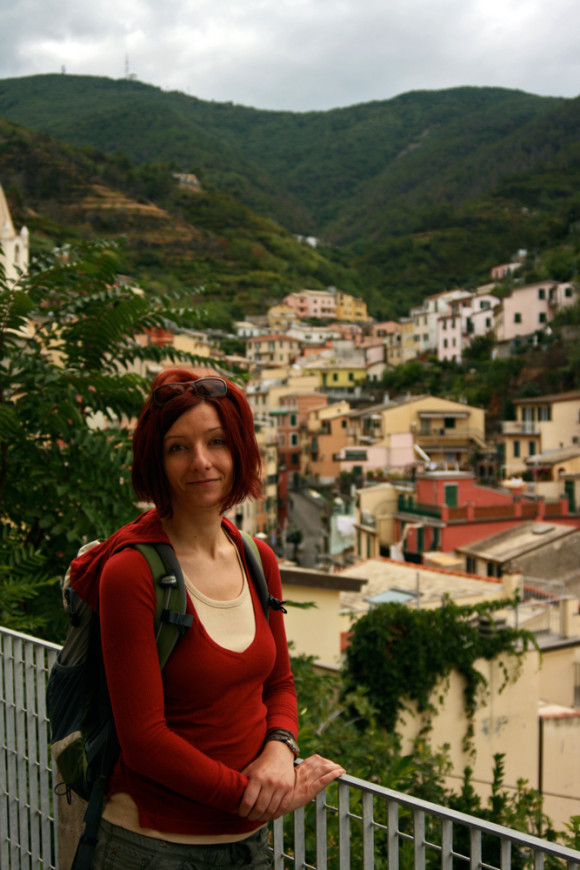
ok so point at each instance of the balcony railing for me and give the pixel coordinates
(363, 827)
(519, 427)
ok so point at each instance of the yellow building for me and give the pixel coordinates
(408, 347)
(316, 631)
(333, 374)
(447, 431)
(350, 309)
(281, 317)
(542, 424)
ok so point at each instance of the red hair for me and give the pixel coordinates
(148, 475)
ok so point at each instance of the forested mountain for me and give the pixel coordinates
(412, 195)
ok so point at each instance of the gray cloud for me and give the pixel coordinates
(300, 54)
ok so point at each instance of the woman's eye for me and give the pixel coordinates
(175, 448)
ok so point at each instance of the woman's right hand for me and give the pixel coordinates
(313, 774)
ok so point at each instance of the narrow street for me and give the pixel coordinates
(307, 515)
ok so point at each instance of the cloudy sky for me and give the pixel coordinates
(299, 54)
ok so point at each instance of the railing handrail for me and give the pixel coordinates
(526, 840)
(37, 641)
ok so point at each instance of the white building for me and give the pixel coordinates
(14, 247)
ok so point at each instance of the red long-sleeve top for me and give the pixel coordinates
(185, 735)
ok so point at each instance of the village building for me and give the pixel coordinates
(273, 350)
(14, 246)
(543, 423)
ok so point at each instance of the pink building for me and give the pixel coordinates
(312, 303)
(529, 309)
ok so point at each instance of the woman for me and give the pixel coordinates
(207, 749)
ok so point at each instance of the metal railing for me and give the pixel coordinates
(366, 827)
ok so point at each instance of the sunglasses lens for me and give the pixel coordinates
(204, 388)
(167, 392)
(210, 387)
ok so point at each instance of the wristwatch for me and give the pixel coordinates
(284, 737)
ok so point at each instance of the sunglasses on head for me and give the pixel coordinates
(205, 388)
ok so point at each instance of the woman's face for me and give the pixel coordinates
(197, 460)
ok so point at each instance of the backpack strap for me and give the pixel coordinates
(254, 561)
(171, 619)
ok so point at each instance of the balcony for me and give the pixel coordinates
(355, 824)
(519, 427)
(407, 505)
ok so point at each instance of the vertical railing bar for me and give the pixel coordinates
(538, 860)
(299, 844)
(13, 834)
(419, 839)
(321, 832)
(32, 726)
(505, 854)
(48, 773)
(368, 831)
(446, 844)
(393, 834)
(278, 843)
(343, 826)
(21, 773)
(475, 851)
(4, 842)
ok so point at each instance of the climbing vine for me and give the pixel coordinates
(399, 654)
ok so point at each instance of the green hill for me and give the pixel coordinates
(413, 195)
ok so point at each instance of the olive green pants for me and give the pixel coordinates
(118, 849)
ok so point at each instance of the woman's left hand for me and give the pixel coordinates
(271, 783)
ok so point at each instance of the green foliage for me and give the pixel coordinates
(346, 724)
(399, 654)
(67, 348)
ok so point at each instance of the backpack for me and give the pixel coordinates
(83, 739)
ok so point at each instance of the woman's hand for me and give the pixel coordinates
(312, 776)
(276, 788)
(271, 783)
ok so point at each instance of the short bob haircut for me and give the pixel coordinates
(148, 475)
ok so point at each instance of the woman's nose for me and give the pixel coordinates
(200, 457)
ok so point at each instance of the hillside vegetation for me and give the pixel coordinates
(171, 236)
(410, 196)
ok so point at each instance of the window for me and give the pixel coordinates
(528, 414)
(351, 376)
(335, 376)
(544, 412)
(488, 322)
(531, 448)
(281, 440)
(516, 449)
(449, 422)
(517, 317)
(444, 342)
(293, 420)
(295, 459)
(541, 293)
(568, 292)
(470, 565)
(542, 316)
